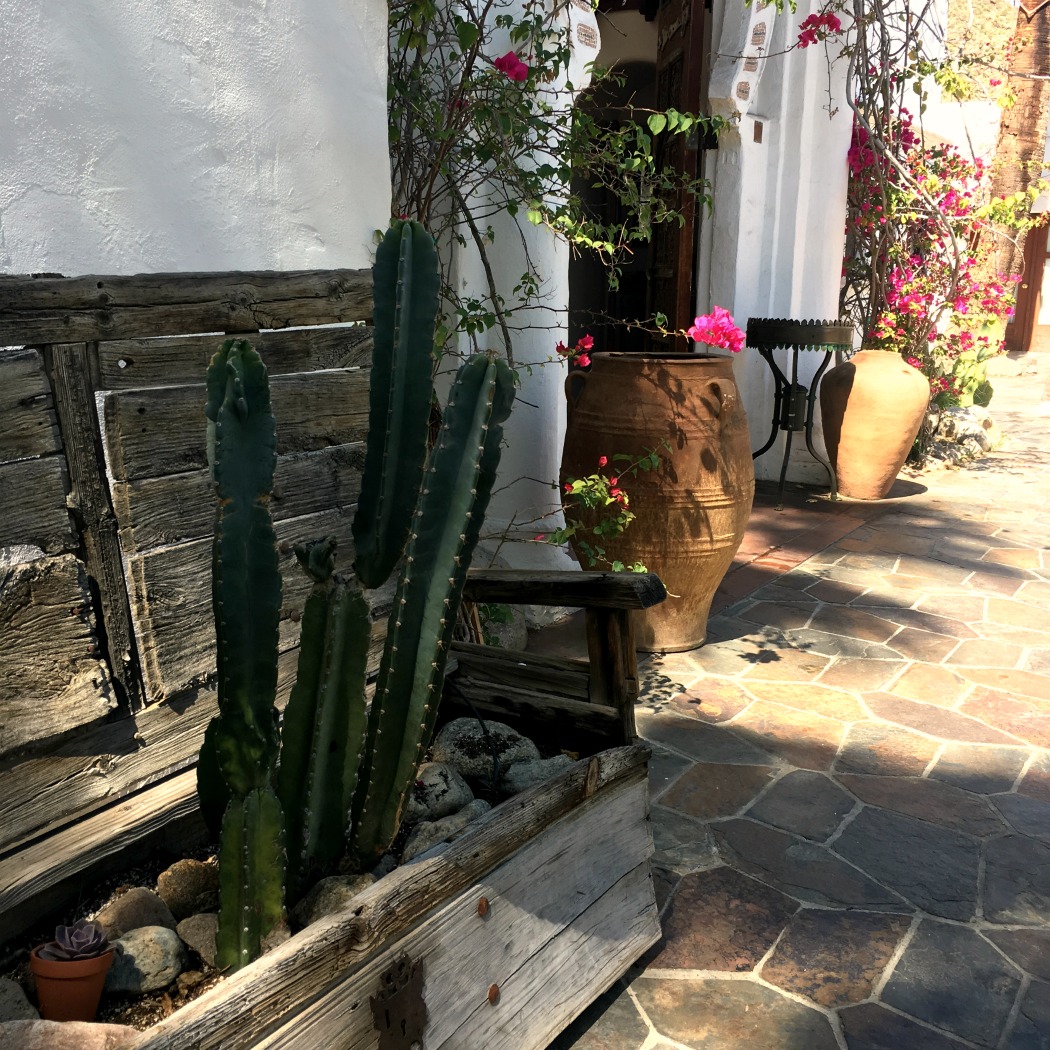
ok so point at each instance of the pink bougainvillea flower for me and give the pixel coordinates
(717, 329)
(602, 460)
(818, 27)
(585, 342)
(583, 360)
(512, 66)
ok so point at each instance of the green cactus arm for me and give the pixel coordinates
(406, 288)
(446, 528)
(324, 728)
(251, 877)
(246, 582)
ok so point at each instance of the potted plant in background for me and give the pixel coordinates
(71, 970)
(679, 412)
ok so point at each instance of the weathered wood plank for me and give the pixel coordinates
(545, 995)
(128, 363)
(613, 663)
(571, 589)
(32, 870)
(279, 985)
(51, 677)
(552, 906)
(171, 601)
(76, 309)
(153, 512)
(513, 667)
(103, 764)
(27, 420)
(74, 379)
(34, 494)
(162, 430)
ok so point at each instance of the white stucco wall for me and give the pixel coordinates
(773, 246)
(152, 135)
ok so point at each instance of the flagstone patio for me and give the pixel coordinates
(851, 779)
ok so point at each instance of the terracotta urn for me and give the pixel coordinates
(872, 407)
(691, 511)
(69, 989)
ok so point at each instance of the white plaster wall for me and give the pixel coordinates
(773, 246)
(152, 135)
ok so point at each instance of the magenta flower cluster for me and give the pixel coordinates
(818, 27)
(717, 329)
(512, 66)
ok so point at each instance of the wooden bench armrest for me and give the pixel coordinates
(573, 589)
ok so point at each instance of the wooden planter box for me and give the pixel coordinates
(499, 941)
(107, 680)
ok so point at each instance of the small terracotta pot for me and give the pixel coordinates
(69, 989)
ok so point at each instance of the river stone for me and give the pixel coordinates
(438, 791)
(462, 744)
(329, 896)
(198, 932)
(189, 887)
(64, 1035)
(146, 959)
(428, 834)
(524, 775)
(14, 1006)
(132, 910)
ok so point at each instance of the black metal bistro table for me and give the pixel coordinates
(793, 403)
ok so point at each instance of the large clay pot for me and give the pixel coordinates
(872, 407)
(69, 989)
(691, 512)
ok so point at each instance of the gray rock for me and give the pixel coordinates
(524, 775)
(329, 896)
(198, 932)
(428, 834)
(14, 1006)
(132, 910)
(462, 744)
(189, 887)
(146, 959)
(64, 1035)
(439, 790)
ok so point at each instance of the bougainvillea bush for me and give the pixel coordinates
(934, 301)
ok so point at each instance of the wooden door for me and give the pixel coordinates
(680, 83)
(1030, 328)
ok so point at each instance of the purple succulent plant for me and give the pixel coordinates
(83, 940)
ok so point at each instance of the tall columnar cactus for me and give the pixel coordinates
(338, 757)
(445, 530)
(242, 741)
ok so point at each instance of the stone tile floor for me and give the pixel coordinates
(851, 779)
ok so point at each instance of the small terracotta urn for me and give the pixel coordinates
(69, 989)
(872, 407)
